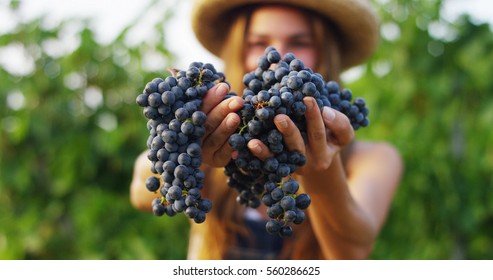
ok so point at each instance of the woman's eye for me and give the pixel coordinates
(300, 44)
(257, 44)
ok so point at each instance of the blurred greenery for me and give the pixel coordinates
(70, 131)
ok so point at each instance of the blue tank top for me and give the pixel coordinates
(258, 245)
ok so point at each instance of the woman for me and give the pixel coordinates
(351, 183)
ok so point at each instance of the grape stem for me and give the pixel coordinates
(243, 127)
(173, 71)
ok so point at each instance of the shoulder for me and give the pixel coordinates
(142, 166)
(375, 150)
(142, 161)
(375, 155)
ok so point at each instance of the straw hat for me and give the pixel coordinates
(356, 20)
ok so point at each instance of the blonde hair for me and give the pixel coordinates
(224, 222)
(327, 40)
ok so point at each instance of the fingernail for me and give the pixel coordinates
(234, 104)
(281, 122)
(231, 122)
(222, 89)
(328, 114)
(255, 147)
(308, 103)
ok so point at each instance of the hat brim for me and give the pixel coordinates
(356, 21)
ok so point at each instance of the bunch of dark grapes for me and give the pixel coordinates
(176, 126)
(278, 86)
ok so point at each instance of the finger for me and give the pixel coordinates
(218, 114)
(315, 126)
(214, 96)
(341, 131)
(259, 149)
(223, 155)
(215, 143)
(291, 134)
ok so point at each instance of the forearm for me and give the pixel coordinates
(343, 229)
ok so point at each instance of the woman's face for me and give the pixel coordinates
(284, 28)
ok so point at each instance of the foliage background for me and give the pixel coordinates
(70, 131)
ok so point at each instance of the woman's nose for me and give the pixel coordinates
(281, 48)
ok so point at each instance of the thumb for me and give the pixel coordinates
(339, 126)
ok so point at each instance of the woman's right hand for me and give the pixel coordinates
(222, 121)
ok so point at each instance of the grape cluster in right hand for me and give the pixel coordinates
(278, 86)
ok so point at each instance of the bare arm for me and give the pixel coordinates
(348, 206)
(347, 213)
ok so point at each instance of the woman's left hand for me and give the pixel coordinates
(327, 133)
